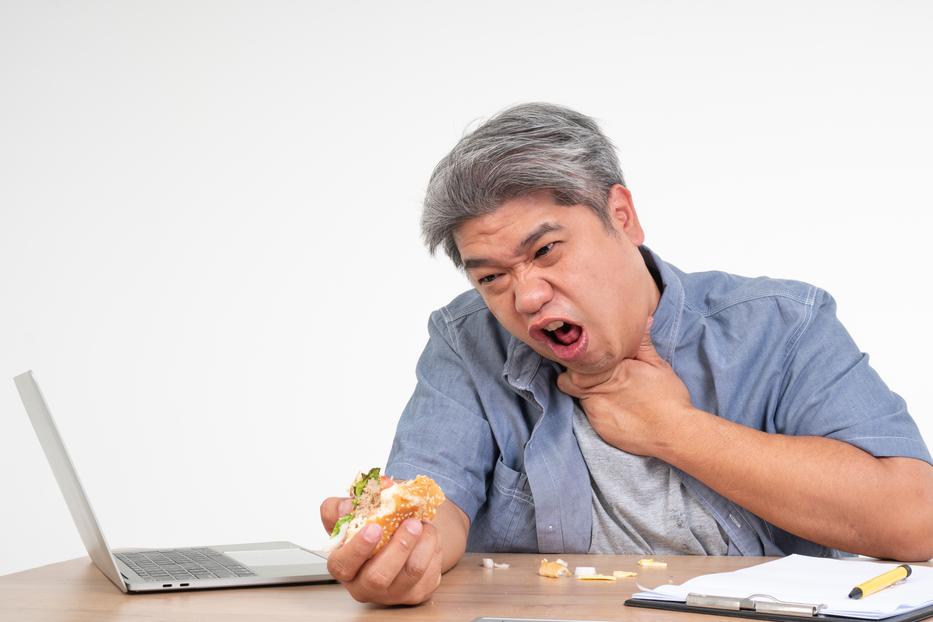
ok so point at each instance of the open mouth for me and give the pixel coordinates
(566, 340)
(563, 333)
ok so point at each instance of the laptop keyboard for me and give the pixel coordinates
(197, 563)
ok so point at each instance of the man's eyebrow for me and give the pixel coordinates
(534, 236)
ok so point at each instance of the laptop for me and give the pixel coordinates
(161, 570)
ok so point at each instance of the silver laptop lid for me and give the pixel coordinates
(67, 478)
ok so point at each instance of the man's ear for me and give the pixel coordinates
(622, 213)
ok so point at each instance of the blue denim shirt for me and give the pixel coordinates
(489, 424)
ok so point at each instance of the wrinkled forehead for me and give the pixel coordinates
(512, 226)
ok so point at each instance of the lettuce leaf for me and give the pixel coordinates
(346, 518)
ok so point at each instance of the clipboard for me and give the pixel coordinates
(758, 607)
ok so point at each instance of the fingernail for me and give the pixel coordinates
(413, 526)
(345, 507)
(372, 533)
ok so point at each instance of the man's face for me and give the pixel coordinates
(557, 279)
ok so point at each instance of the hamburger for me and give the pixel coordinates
(381, 500)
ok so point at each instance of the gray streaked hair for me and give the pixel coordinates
(523, 149)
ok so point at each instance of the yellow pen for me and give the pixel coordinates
(881, 581)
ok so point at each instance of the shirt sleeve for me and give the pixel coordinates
(442, 432)
(830, 390)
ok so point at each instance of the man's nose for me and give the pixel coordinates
(531, 293)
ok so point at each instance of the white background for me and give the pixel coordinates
(209, 243)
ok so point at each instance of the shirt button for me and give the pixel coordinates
(550, 527)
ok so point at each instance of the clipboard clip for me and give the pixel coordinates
(760, 603)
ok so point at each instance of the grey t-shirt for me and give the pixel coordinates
(640, 505)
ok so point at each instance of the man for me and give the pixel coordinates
(586, 396)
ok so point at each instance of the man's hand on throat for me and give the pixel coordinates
(638, 405)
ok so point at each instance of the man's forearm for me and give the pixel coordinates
(821, 489)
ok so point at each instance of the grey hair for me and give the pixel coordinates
(523, 149)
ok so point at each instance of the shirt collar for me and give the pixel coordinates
(668, 316)
(522, 362)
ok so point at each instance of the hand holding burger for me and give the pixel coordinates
(382, 551)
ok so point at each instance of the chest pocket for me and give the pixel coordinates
(510, 495)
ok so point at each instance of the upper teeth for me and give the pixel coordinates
(555, 325)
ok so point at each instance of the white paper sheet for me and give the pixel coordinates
(813, 580)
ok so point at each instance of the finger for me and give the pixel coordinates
(646, 350)
(345, 562)
(382, 570)
(579, 384)
(430, 581)
(416, 566)
(332, 509)
(565, 384)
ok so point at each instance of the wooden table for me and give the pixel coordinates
(76, 591)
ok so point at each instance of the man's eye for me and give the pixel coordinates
(544, 250)
(489, 278)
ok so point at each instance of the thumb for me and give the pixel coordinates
(646, 351)
(565, 384)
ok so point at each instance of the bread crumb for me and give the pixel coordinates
(596, 577)
(650, 563)
(488, 562)
(553, 570)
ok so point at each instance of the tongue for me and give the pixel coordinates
(568, 333)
